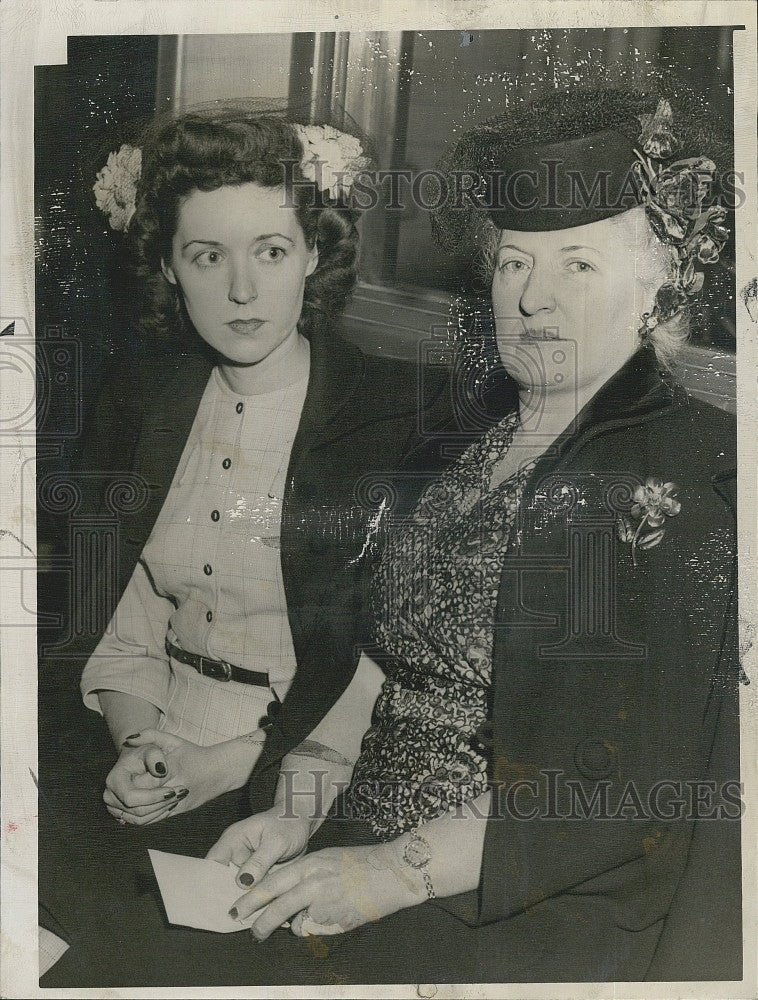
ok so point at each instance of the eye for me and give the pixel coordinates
(513, 265)
(579, 267)
(271, 254)
(208, 258)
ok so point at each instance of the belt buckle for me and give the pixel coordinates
(227, 670)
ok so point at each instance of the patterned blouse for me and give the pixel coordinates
(435, 596)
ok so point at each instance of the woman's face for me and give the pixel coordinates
(568, 303)
(240, 261)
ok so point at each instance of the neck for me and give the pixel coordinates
(560, 409)
(285, 365)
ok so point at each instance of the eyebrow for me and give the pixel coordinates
(269, 236)
(258, 239)
(577, 246)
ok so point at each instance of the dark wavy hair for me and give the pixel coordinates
(206, 150)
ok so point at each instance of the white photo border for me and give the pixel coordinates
(35, 32)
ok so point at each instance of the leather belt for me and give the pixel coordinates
(219, 670)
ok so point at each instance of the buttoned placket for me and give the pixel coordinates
(226, 479)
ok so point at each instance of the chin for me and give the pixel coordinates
(248, 351)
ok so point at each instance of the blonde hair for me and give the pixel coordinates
(657, 264)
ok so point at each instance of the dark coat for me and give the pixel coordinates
(610, 678)
(360, 416)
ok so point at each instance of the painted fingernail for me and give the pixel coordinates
(173, 806)
(233, 913)
(169, 795)
(134, 736)
(182, 793)
(160, 767)
(246, 878)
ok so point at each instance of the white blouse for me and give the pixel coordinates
(210, 574)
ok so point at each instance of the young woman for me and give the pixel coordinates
(250, 425)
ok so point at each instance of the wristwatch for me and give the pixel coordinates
(417, 853)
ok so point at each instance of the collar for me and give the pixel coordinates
(336, 370)
(639, 387)
(179, 377)
(640, 390)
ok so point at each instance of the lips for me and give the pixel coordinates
(245, 325)
(545, 333)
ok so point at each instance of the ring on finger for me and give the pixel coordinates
(120, 818)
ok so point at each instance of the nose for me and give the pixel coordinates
(537, 293)
(242, 287)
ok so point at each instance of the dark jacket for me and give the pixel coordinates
(360, 416)
(610, 678)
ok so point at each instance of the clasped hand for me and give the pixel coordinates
(337, 887)
(158, 774)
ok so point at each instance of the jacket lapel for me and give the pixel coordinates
(638, 392)
(171, 403)
(336, 371)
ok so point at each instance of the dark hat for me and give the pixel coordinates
(565, 159)
(560, 185)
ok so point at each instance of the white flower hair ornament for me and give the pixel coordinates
(332, 159)
(116, 186)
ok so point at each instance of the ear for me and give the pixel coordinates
(168, 272)
(313, 262)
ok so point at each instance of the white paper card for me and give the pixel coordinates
(199, 893)
(51, 948)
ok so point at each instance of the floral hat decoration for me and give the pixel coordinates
(676, 201)
(331, 160)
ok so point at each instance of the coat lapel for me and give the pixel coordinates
(636, 393)
(336, 371)
(171, 403)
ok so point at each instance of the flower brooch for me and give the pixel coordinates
(653, 504)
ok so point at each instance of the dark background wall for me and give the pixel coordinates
(84, 283)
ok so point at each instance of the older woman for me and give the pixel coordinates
(555, 615)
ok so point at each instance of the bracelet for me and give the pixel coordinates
(253, 739)
(317, 751)
(417, 853)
